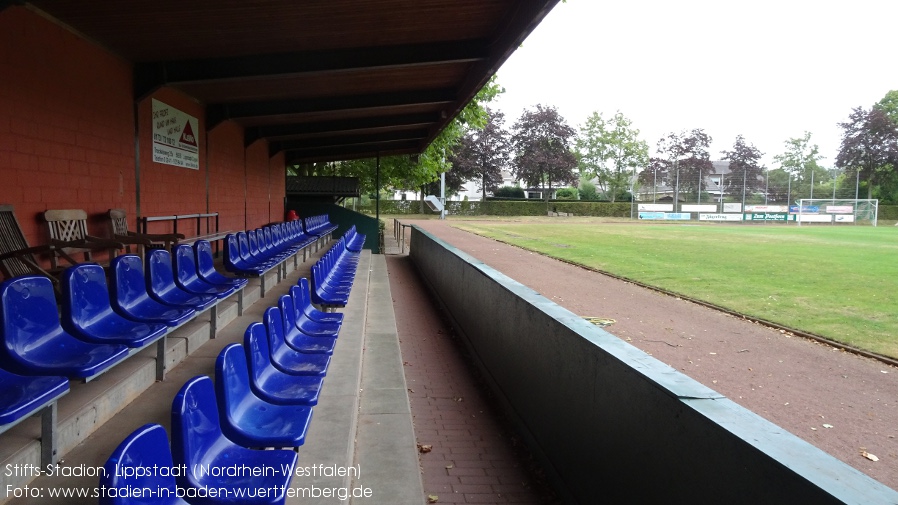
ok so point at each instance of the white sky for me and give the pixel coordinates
(769, 70)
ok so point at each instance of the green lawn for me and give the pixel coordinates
(838, 282)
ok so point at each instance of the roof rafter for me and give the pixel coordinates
(151, 75)
(352, 152)
(286, 131)
(216, 113)
(347, 140)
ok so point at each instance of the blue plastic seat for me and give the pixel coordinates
(319, 226)
(188, 279)
(249, 250)
(289, 360)
(131, 466)
(129, 297)
(296, 339)
(206, 267)
(323, 294)
(199, 444)
(234, 261)
(303, 302)
(248, 420)
(34, 342)
(87, 311)
(355, 241)
(306, 326)
(21, 396)
(271, 384)
(161, 284)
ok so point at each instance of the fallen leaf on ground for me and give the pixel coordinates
(432, 498)
(425, 448)
(871, 457)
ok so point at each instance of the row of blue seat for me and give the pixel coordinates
(333, 273)
(97, 328)
(254, 253)
(262, 397)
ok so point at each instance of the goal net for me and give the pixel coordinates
(836, 211)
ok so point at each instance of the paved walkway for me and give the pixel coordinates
(842, 403)
(467, 455)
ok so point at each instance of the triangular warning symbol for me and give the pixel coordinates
(187, 136)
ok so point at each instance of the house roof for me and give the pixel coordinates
(319, 79)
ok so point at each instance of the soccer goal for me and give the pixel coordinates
(836, 211)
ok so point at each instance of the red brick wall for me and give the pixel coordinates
(227, 175)
(67, 141)
(66, 124)
(167, 189)
(277, 165)
(258, 187)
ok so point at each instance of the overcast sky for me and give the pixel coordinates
(769, 70)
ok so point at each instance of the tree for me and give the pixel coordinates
(889, 105)
(688, 160)
(869, 146)
(778, 185)
(404, 172)
(799, 161)
(483, 154)
(587, 190)
(610, 150)
(541, 141)
(746, 171)
(654, 174)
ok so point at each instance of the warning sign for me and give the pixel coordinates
(174, 137)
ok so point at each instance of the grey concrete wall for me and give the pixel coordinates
(612, 424)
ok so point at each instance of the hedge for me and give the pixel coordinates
(498, 207)
(501, 207)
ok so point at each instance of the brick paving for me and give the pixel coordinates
(473, 457)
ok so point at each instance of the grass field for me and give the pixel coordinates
(838, 282)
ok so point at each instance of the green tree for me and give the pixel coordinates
(746, 170)
(610, 151)
(566, 194)
(587, 190)
(800, 161)
(869, 147)
(542, 142)
(889, 105)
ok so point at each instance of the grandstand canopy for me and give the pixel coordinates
(320, 80)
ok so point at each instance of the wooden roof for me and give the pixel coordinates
(320, 79)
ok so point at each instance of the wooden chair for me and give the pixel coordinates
(68, 232)
(17, 257)
(120, 233)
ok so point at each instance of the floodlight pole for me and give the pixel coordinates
(377, 188)
(443, 194)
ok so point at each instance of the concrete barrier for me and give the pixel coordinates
(610, 423)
